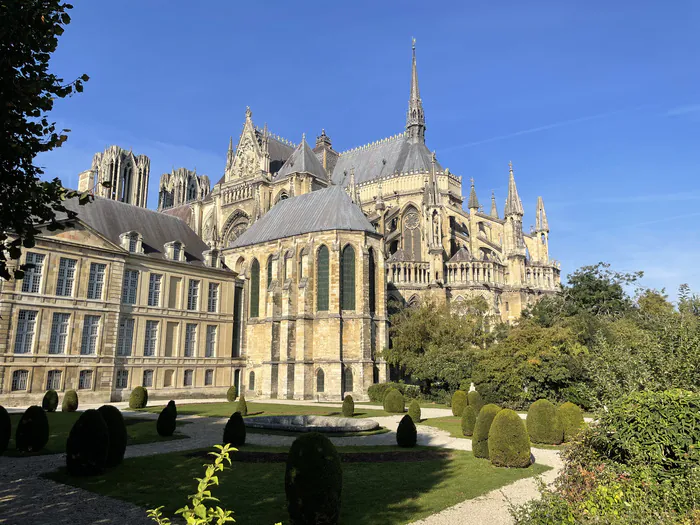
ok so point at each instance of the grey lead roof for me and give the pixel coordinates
(321, 210)
(302, 160)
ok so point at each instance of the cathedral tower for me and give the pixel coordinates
(126, 176)
(415, 118)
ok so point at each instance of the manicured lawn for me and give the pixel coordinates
(384, 493)
(450, 424)
(273, 432)
(139, 430)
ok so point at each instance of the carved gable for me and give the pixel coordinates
(248, 161)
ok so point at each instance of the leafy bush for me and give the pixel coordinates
(459, 402)
(406, 433)
(571, 419)
(167, 421)
(509, 444)
(50, 401)
(117, 434)
(474, 399)
(348, 406)
(242, 406)
(138, 398)
(377, 392)
(5, 429)
(231, 393)
(468, 420)
(234, 431)
(32, 432)
(87, 447)
(480, 438)
(544, 424)
(414, 411)
(313, 481)
(70, 401)
(394, 402)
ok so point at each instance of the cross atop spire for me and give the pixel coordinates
(415, 119)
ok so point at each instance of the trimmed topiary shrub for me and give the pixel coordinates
(313, 481)
(87, 447)
(394, 402)
(32, 432)
(242, 406)
(544, 424)
(414, 411)
(167, 420)
(70, 401)
(468, 420)
(509, 444)
(138, 398)
(234, 431)
(378, 391)
(117, 434)
(50, 401)
(5, 429)
(571, 419)
(459, 403)
(406, 434)
(348, 406)
(231, 393)
(475, 400)
(480, 438)
(171, 406)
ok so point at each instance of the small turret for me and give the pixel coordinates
(494, 209)
(473, 204)
(514, 205)
(541, 224)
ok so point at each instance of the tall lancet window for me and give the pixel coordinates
(254, 288)
(411, 234)
(347, 278)
(322, 279)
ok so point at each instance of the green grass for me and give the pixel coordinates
(373, 493)
(450, 424)
(274, 432)
(139, 431)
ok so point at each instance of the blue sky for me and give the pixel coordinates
(596, 103)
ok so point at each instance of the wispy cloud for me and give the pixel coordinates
(683, 110)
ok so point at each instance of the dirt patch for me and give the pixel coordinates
(347, 457)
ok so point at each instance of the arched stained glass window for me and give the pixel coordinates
(269, 271)
(251, 381)
(320, 380)
(347, 278)
(372, 283)
(347, 379)
(255, 289)
(322, 280)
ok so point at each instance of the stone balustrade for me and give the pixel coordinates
(474, 272)
(408, 272)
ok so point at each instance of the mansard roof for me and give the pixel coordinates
(322, 210)
(302, 160)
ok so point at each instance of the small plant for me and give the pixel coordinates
(117, 434)
(480, 439)
(231, 394)
(5, 429)
(348, 406)
(167, 420)
(50, 401)
(394, 402)
(468, 420)
(242, 406)
(544, 424)
(459, 402)
(234, 431)
(475, 400)
(171, 405)
(509, 445)
(87, 447)
(572, 420)
(138, 398)
(32, 432)
(406, 433)
(414, 411)
(70, 401)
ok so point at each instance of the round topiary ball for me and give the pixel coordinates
(348, 406)
(571, 419)
(32, 432)
(231, 393)
(117, 434)
(50, 401)
(475, 400)
(480, 438)
(234, 431)
(138, 398)
(459, 402)
(468, 420)
(242, 406)
(5, 429)
(165, 426)
(509, 445)
(87, 447)
(171, 406)
(70, 401)
(414, 411)
(406, 434)
(313, 481)
(544, 424)
(394, 402)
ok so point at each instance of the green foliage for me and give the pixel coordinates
(480, 438)
(468, 420)
(234, 431)
(475, 400)
(377, 392)
(87, 447)
(313, 481)
(50, 401)
(167, 421)
(571, 419)
(242, 406)
(171, 405)
(414, 411)
(544, 425)
(138, 398)
(5, 429)
(599, 291)
(509, 445)
(116, 428)
(459, 403)
(70, 401)
(406, 433)
(32, 432)
(348, 406)
(231, 393)
(394, 402)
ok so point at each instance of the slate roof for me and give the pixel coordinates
(321, 210)
(462, 255)
(302, 160)
(182, 212)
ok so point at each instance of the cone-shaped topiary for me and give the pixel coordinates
(394, 402)
(242, 406)
(50, 401)
(70, 401)
(87, 447)
(480, 438)
(313, 481)
(166, 421)
(348, 406)
(5, 429)
(406, 434)
(138, 398)
(459, 402)
(117, 434)
(468, 420)
(32, 432)
(571, 419)
(474, 399)
(414, 411)
(171, 406)
(231, 393)
(509, 445)
(234, 431)
(544, 424)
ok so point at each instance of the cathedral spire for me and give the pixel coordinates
(473, 200)
(415, 119)
(494, 209)
(229, 155)
(514, 206)
(541, 224)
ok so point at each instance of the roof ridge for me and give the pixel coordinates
(369, 145)
(276, 137)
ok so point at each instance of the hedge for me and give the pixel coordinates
(5, 429)
(406, 433)
(234, 431)
(377, 392)
(394, 402)
(117, 434)
(50, 401)
(242, 406)
(509, 444)
(167, 421)
(87, 447)
(348, 406)
(138, 398)
(231, 393)
(459, 402)
(468, 420)
(70, 401)
(32, 432)
(414, 411)
(475, 400)
(544, 424)
(480, 438)
(571, 419)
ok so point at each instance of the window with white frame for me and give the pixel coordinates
(20, 379)
(133, 240)
(154, 289)
(122, 378)
(85, 380)
(177, 250)
(59, 333)
(190, 339)
(91, 325)
(66, 277)
(193, 295)
(208, 377)
(213, 302)
(26, 319)
(187, 381)
(32, 276)
(129, 286)
(151, 338)
(125, 337)
(147, 378)
(211, 341)
(53, 380)
(96, 280)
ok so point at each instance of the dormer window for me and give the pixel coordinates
(212, 258)
(175, 251)
(131, 241)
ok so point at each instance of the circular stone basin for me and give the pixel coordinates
(311, 423)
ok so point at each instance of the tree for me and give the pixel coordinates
(598, 290)
(29, 32)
